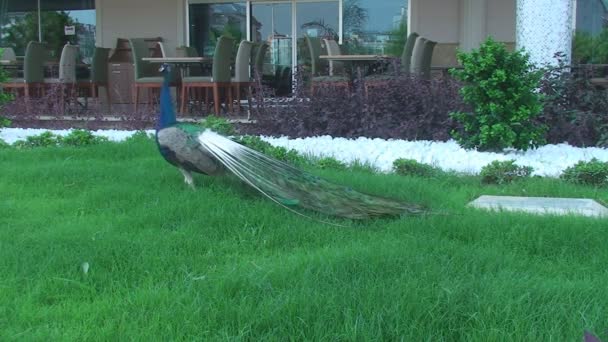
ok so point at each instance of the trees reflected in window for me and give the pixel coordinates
(375, 27)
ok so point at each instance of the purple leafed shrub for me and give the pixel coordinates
(92, 115)
(401, 107)
(575, 110)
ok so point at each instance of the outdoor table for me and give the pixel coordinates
(182, 63)
(358, 61)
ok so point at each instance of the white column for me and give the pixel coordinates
(544, 27)
(472, 24)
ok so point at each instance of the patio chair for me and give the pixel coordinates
(8, 54)
(315, 49)
(66, 82)
(260, 54)
(406, 55)
(336, 76)
(146, 74)
(406, 59)
(219, 79)
(33, 71)
(421, 57)
(161, 47)
(99, 75)
(242, 72)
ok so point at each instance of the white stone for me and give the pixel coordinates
(542, 205)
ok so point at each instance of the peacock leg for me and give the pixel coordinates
(188, 178)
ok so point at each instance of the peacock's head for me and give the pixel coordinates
(165, 68)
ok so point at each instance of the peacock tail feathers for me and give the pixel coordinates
(294, 188)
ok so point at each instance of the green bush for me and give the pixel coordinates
(218, 125)
(502, 172)
(330, 163)
(501, 87)
(410, 167)
(254, 142)
(79, 137)
(277, 152)
(593, 172)
(4, 122)
(42, 140)
(366, 167)
(4, 144)
(139, 136)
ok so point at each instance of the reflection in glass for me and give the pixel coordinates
(271, 23)
(210, 21)
(315, 19)
(61, 22)
(375, 27)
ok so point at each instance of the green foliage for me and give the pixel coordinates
(4, 122)
(397, 41)
(182, 264)
(45, 139)
(366, 167)
(4, 144)
(277, 152)
(218, 125)
(4, 97)
(593, 172)
(587, 49)
(503, 172)
(254, 142)
(139, 136)
(500, 86)
(79, 137)
(330, 163)
(410, 167)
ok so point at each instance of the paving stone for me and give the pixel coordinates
(542, 205)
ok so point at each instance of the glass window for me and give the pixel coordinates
(69, 21)
(271, 23)
(18, 24)
(60, 22)
(209, 21)
(375, 27)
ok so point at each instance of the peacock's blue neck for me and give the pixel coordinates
(166, 117)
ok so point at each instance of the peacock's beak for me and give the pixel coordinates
(164, 67)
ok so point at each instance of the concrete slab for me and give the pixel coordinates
(542, 205)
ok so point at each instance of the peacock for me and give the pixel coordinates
(195, 149)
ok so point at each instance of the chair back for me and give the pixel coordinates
(417, 55)
(67, 64)
(243, 62)
(315, 49)
(8, 54)
(408, 48)
(33, 63)
(162, 49)
(99, 65)
(258, 66)
(422, 56)
(221, 60)
(139, 50)
(333, 49)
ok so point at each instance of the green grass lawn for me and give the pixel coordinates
(222, 263)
